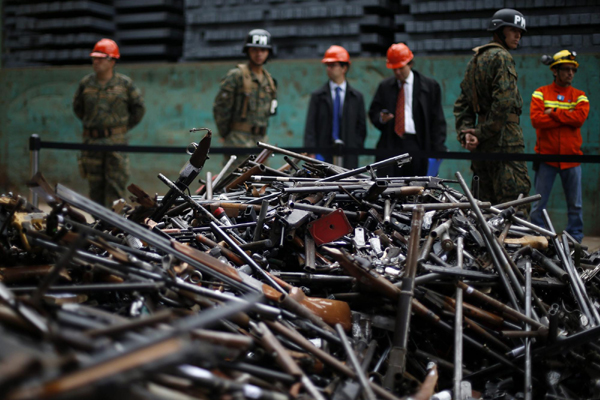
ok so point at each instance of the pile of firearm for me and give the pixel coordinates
(304, 282)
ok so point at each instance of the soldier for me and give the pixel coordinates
(557, 113)
(336, 113)
(488, 109)
(109, 105)
(248, 95)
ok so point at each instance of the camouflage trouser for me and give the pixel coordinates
(107, 172)
(502, 181)
(241, 139)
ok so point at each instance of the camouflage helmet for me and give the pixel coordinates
(507, 17)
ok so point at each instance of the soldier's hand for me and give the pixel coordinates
(471, 141)
(386, 116)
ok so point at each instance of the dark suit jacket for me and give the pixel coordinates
(428, 115)
(319, 120)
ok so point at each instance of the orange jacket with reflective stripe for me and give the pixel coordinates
(559, 132)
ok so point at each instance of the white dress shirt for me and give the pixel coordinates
(332, 86)
(409, 122)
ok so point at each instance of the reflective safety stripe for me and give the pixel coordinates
(582, 98)
(563, 105)
(559, 104)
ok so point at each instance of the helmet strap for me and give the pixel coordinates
(500, 33)
(502, 36)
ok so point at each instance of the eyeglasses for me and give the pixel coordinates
(569, 69)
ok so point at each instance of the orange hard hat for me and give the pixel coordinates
(398, 55)
(336, 54)
(106, 48)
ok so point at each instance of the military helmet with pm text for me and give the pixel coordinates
(258, 38)
(507, 17)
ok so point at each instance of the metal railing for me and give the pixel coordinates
(36, 144)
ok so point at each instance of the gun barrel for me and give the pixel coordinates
(360, 170)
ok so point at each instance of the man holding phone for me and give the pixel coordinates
(407, 109)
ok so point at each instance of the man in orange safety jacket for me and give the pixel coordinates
(557, 113)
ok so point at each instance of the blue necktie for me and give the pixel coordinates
(335, 131)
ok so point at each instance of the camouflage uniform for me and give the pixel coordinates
(490, 95)
(107, 111)
(237, 129)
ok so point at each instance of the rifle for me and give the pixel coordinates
(42, 188)
(449, 305)
(27, 313)
(371, 168)
(362, 379)
(149, 237)
(220, 385)
(528, 387)
(202, 262)
(58, 267)
(295, 337)
(331, 168)
(458, 328)
(397, 361)
(493, 247)
(471, 291)
(155, 352)
(576, 286)
(188, 173)
(26, 273)
(195, 205)
(548, 265)
(266, 338)
(376, 283)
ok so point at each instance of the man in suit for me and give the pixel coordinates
(407, 109)
(336, 111)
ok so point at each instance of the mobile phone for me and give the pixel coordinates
(385, 111)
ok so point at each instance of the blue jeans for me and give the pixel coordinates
(571, 182)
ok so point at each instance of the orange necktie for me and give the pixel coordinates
(399, 117)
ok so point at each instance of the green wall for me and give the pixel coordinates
(180, 96)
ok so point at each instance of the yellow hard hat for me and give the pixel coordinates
(564, 57)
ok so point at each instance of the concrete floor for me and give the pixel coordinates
(592, 242)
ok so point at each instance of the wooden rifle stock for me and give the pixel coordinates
(323, 312)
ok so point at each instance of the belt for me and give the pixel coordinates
(104, 133)
(511, 118)
(246, 127)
